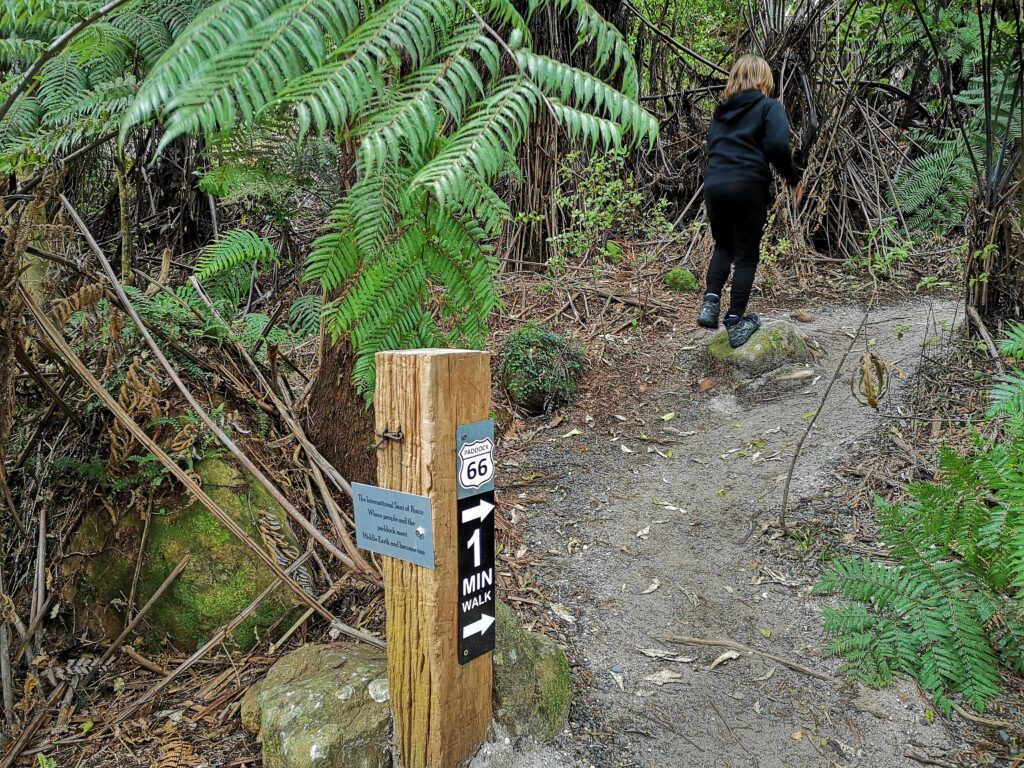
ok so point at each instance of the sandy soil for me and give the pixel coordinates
(652, 528)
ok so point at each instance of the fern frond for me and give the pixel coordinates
(231, 250)
(1011, 344)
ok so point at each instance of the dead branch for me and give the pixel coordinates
(683, 640)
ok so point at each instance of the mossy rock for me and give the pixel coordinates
(532, 684)
(542, 369)
(223, 576)
(681, 280)
(774, 345)
(323, 706)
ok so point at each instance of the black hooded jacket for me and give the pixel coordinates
(747, 132)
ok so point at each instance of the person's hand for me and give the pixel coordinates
(798, 196)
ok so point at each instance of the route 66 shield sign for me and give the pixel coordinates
(476, 458)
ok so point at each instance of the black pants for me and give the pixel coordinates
(737, 213)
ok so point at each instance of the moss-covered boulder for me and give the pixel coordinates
(774, 345)
(531, 680)
(221, 579)
(323, 706)
(542, 369)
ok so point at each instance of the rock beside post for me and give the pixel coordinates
(327, 706)
(323, 706)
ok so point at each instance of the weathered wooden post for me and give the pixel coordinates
(442, 707)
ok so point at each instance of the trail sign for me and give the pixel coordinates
(475, 458)
(393, 523)
(476, 576)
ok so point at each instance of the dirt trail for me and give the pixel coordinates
(619, 521)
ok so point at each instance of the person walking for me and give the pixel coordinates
(748, 132)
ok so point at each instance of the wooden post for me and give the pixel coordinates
(442, 709)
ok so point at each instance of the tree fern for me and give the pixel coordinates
(949, 610)
(80, 94)
(435, 114)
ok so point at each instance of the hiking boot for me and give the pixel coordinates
(708, 317)
(742, 329)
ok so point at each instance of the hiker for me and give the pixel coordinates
(748, 131)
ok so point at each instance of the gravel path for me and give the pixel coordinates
(636, 546)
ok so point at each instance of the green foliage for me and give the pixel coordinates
(81, 93)
(599, 199)
(233, 249)
(886, 247)
(541, 370)
(934, 188)
(418, 87)
(304, 316)
(682, 280)
(947, 608)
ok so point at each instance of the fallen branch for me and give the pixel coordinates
(993, 351)
(814, 418)
(926, 760)
(683, 640)
(966, 714)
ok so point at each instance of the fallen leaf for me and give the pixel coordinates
(619, 681)
(802, 317)
(808, 415)
(620, 417)
(658, 653)
(796, 735)
(555, 421)
(757, 707)
(668, 416)
(724, 658)
(651, 587)
(563, 613)
(86, 727)
(705, 385)
(119, 684)
(643, 533)
(766, 676)
(664, 677)
(766, 632)
(624, 449)
(572, 433)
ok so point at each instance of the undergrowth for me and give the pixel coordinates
(946, 606)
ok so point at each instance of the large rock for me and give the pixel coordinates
(531, 680)
(221, 579)
(323, 706)
(774, 345)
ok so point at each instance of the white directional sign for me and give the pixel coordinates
(478, 627)
(475, 458)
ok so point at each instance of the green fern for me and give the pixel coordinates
(233, 249)
(304, 316)
(420, 87)
(949, 610)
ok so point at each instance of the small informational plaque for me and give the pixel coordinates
(395, 524)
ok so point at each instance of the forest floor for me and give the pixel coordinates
(640, 528)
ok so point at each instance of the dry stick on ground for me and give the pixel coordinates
(210, 424)
(733, 645)
(989, 342)
(6, 673)
(138, 567)
(30, 730)
(814, 418)
(212, 643)
(183, 477)
(926, 760)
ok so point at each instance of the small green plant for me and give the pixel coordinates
(945, 607)
(885, 248)
(599, 200)
(681, 280)
(541, 369)
(42, 761)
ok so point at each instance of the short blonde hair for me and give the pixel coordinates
(749, 72)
